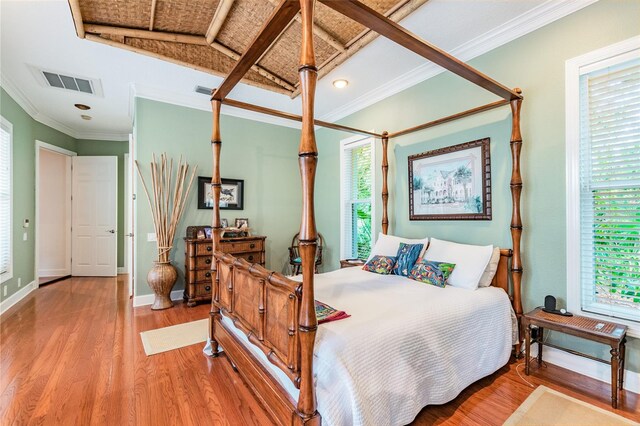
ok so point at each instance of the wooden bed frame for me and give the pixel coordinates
(275, 313)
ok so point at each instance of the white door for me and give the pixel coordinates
(94, 211)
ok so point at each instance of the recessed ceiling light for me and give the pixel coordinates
(340, 84)
(86, 117)
(82, 106)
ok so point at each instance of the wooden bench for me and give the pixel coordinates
(605, 332)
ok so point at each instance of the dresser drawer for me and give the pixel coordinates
(203, 289)
(203, 249)
(200, 262)
(241, 246)
(255, 257)
(202, 275)
(199, 248)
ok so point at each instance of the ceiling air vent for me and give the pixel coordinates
(203, 90)
(66, 81)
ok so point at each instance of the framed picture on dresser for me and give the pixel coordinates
(231, 194)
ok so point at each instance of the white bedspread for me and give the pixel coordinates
(406, 345)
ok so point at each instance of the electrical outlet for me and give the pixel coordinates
(151, 236)
(4, 290)
(19, 282)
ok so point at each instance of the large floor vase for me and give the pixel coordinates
(161, 278)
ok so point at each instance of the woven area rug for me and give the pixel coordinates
(548, 407)
(174, 337)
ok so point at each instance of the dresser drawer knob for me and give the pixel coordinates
(252, 245)
(209, 248)
(207, 261)
(208, 288)
(251, 257)
(208, 275)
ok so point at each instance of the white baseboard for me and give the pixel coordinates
(53, 272)
(590, 368)
(147, 299)
(122, 270)
(16, 297)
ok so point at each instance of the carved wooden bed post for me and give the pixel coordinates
(516, 220)
(308, 160)
(216, 186)
(385, 186)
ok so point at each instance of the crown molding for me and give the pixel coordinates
(102, 136)
(532, 20)
(200, 102)
(23, 101)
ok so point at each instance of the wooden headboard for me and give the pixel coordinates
(501, 278)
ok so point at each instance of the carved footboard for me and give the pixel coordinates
(265, 306)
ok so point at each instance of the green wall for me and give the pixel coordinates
(535, 63)
(264, 155)
(111, 148)
(25, 132)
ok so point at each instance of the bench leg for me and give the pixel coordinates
(622, 353)
(527, 348)
(540, 341)
(615, 358)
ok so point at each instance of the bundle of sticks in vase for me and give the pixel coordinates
(167, 199)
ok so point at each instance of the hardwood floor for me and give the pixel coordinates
(70, 354)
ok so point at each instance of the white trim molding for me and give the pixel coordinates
(8, 274)
(529, 21)
(587, 367)
(147, 299)
(10, 301)
(573, 69)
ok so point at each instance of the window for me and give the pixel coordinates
(6, 138)
(603, 155)
(357, 207)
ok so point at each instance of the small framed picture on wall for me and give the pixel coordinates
(231, 194)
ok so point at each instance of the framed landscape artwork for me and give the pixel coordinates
(452, 183)
(231, 195)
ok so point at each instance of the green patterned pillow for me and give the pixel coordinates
(380, 264)
(431, 272)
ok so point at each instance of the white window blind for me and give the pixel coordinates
(5, 200)
(610, 189)
(357, 206)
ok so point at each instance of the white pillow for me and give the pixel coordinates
(470, 261)
(491, 269)
(388, 245)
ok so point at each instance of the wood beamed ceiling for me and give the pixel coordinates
(212, 35)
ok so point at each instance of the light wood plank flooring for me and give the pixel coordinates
(70, 354)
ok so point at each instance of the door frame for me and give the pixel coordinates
(49, 147)
(130, 228)
(127, 219)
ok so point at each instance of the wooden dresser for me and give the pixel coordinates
(197, 259)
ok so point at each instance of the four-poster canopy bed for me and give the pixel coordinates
(265, 322)
(276, 314)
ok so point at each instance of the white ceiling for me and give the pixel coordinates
(41, 34)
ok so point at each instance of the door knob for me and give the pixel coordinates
(111, 231)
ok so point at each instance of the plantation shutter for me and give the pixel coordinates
(5, 200)
(357, 183)
(610, 190)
